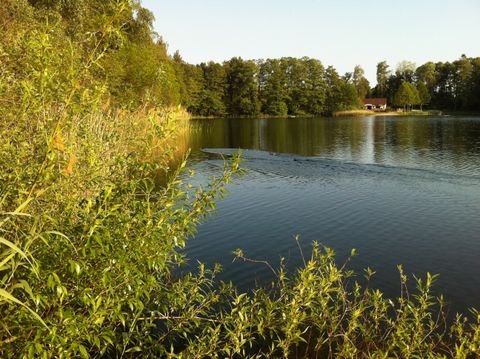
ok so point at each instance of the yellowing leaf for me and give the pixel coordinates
(72, 160)
(57, 142)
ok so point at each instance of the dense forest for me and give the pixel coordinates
(290, 86)
(91, 242)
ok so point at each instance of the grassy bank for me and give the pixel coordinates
(387, 113)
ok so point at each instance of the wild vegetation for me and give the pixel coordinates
(90, 244)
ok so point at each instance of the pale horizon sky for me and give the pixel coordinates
(338, 33)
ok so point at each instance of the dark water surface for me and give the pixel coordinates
(401, 190)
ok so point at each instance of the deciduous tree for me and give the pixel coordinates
(382, 79)
(361, 83)
(241, 91)
(406, 96)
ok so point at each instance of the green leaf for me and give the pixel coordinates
(83, 352)
(13, 247)
(134, 349)
(10, 298)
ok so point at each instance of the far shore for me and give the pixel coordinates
(355, 113)
(336, 114)
(386, 113)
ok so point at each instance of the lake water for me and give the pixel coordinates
(401, 190)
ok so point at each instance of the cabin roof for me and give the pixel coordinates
(375, 101)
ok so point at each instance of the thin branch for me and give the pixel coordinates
(167, 317)
(257, 261)
(297, 239)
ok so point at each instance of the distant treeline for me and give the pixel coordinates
(291, 86)
(276, 87)
(139, 69)
(451, 86)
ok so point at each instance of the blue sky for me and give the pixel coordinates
(342, 33)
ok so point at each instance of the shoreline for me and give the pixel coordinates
(336, 114)
(387, 113)
(349, 113)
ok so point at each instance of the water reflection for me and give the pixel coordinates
(432, 142)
